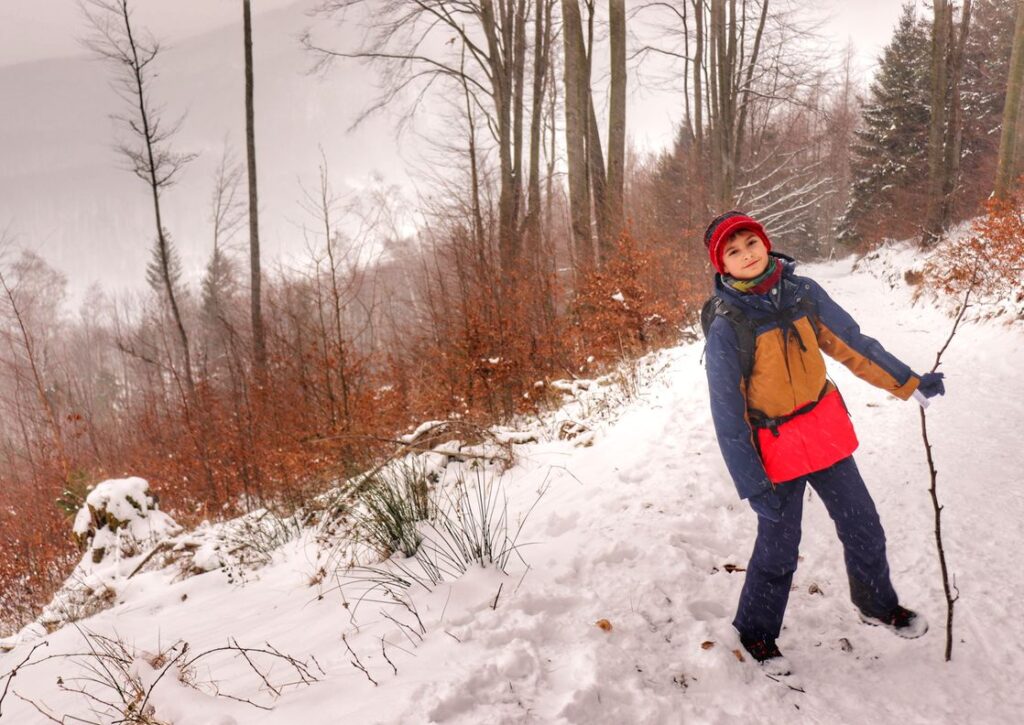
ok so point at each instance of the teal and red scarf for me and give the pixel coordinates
(760, 284)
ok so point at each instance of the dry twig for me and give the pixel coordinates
(356, 661)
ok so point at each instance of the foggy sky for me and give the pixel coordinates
(40, 29)
(63, 191)
(35, 30)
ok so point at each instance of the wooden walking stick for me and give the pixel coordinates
(952, 593)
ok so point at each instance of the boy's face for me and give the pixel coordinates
(744, 255)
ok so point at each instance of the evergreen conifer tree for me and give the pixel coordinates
(891, 149)
(219, 286)
(155, 273)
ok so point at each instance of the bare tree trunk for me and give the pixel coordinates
(946, 128)
(505, 57)
(687, 111)
(598, 181)
(955, 128)
(474, 167)
(745, 89)
(1007, 140)
(576, 114)
(164, 256)
(259, 344)
(941, 31)
(541, 53)
(698, 97)
(616, 115)
(551, 157)
(163, 245)
(716, 55)
(595, 154)
(518, 11)
(727, 98)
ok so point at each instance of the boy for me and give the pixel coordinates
(781, 424)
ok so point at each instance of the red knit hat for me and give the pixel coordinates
(723, 227)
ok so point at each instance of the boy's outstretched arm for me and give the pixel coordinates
(729, 411)
(840, 337)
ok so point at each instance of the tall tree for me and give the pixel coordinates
(506, 45)
(542, 42)
(401, 40)
(942, 22)
(114, 38)
(259, 345)
(1007, 162)
(616, 114)
(698, 72)
(946, 124)
(605, 183)
(595, 152)
(577, 100)
(733, 60)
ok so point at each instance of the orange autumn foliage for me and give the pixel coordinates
(990, 260)
(328, 408)
(635, 302)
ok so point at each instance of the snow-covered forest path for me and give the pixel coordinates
(644, 529)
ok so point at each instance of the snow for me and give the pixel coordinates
(126, 499)
(120, 516)
(119, 526)
(421, 430)
(638, 525)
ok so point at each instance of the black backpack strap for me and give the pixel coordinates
(745, 330)
(808, 305)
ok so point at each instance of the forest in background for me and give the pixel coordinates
(546, 250)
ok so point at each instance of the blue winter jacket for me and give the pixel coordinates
(789, 371)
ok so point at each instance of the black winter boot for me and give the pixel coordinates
(767, 654)
(901, 621)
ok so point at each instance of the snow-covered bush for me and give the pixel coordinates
(236, 546)
(120, 516)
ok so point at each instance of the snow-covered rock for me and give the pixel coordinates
(119, 527)
(121, 518)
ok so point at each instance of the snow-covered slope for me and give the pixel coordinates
(640, 528)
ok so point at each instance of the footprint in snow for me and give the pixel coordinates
(704, 610)
(559, 524)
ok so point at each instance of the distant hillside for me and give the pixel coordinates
(63, 189)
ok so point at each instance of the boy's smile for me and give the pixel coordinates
(744, 256)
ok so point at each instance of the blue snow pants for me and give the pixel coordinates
(770, 572)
